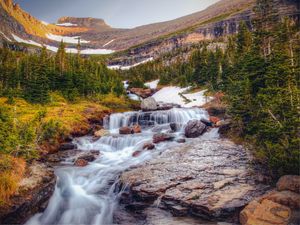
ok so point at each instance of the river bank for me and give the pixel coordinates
(31, 192)
(167, 166)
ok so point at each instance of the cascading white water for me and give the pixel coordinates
(175, 115)
(86, 195)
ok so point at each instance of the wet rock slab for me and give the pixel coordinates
(208, 179)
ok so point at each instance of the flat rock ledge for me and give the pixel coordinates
(208, 179)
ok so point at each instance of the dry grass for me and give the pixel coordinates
(11, 172)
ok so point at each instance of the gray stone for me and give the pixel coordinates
(194, 129)
(149, 104)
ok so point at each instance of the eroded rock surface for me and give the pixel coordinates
(34, 192)
(197, 179)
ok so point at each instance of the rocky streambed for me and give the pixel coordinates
(208, 178)
(167, 166)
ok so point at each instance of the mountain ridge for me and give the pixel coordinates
(97, 32)
(219, 19)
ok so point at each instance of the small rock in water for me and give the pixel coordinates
(194, 129)
(162, 137)
(101, 133)
(149, 104)
(174, 127)
(136, 153)
(125, 130)
(67, 146)
(149, 146)
(89, 157)
(81, 163)
(181, 140)
(136, 129)
(95, 152)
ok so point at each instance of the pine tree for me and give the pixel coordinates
(244, 39)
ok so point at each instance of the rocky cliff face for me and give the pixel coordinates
(98, 33)
(223, 26)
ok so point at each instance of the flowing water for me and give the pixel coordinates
(86, 195)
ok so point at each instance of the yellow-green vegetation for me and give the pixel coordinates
(27, 131)
(118, 104)
(11, 172)
(65, 113)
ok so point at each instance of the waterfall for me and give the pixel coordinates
(87, 195)
(145, 119)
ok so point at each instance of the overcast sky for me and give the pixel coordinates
(117, 13)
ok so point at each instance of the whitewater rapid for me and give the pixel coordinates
(87, 195)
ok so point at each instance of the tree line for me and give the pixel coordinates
(34, 76)
(259, 73)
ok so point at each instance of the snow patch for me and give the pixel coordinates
(152, 84)
(119, 67)
(7, 38)
(96, 51)
(68, 50)
(67, 24)
(197, 99)
(66, 39)
(108, 43)
(21, 40)
(174, 95)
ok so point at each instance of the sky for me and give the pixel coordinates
(116, 13)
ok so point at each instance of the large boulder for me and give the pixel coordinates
(289, 182)
(265, 213)
(149, 104)
(157, 138)
(194, 128)
(286, 198)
